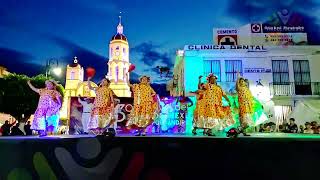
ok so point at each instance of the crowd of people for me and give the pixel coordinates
(13, 129)
(291, 127)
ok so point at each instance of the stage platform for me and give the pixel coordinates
(260, 156)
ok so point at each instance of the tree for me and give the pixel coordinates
(17, 99)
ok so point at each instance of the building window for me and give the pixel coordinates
(301, 71)
(72, 75)
(124, 51)
(117, 73)
(280, 72)
(212, 66)
(111, 52)
(232, 68)
(118, 47)
(302, 80)
(124, 74)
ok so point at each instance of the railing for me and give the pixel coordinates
(295, 88)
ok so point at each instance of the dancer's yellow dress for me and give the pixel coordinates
(198, 115)
(143, 111)
(246, 110)
(102, 111)
(215, 115)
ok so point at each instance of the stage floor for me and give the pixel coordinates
(220, 136)
(160, 156)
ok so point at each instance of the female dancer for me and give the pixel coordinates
(46, 117)
(142, 114)
(103, 106)
(214, 114)
(199, 110)
(245, 99)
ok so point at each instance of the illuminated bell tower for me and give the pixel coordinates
(119, 63)
(74, 77)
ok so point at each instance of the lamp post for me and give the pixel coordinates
(53, 65)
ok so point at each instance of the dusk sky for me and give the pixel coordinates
(32, 31)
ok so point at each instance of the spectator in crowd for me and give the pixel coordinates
(261, 128)
(301, 129)
(291, 126)
(314, 127)
(27, 129)
(308, 129)
(6, 128)
(281, 128)
(15, 130)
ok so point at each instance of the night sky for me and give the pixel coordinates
(35, 30)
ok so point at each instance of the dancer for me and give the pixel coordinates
(46, 117)
(199, 110)
(214, 114)
(142, 114)
(102, 112)
(87, 106)
(245, 99)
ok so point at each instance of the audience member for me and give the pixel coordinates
(6, 128)
(301, 129)
(308, 129)
(27, 129)
(15, 130)
(291, 126)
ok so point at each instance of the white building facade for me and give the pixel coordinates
(279, 76)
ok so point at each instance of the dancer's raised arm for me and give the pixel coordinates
(199, 82)
(89, 84)
(32, 87)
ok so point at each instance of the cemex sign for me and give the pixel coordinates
(226, 36)
(227, 40)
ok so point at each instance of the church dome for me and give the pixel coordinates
(119, 36)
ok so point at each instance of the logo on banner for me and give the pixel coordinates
(227, 40)
(256, 28)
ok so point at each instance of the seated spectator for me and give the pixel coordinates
(15, 130)
(301, 129)
(6, 128)
(308, 129)
(27, 129)
(291, 126)
(318, 130)
(281, 128)
(314, 127)
(261, 128)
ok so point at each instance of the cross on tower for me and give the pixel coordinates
(75, 60)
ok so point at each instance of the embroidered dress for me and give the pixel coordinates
(246, 110)
(143, 109)
(46, 117)
(214, 115)
(102, 112)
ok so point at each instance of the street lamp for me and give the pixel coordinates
(53, 65)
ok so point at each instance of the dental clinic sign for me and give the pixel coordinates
(249, 48)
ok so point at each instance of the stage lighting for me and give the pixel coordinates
(233, 133)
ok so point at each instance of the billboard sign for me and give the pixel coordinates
(284, 22)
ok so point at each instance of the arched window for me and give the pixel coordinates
(111, 51)
(124, 51)
(124, 74)
(72, 75)
(117, 73)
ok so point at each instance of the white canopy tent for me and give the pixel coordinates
(306, 111)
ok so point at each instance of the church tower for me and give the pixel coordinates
(119, 63)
